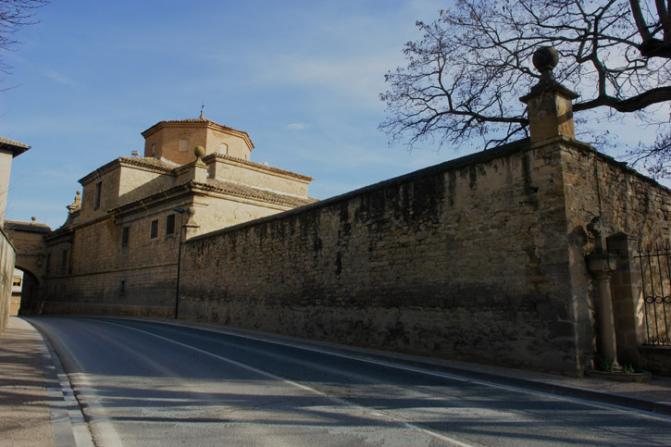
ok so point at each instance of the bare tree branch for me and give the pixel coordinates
(15, 14)
(463, 78)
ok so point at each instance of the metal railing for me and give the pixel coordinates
(655, 264)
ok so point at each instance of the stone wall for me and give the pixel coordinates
(7, 255)
(465, 260)
(607, 200)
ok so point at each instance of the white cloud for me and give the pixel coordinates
(59, 78)
(357, 78)
(296, 126)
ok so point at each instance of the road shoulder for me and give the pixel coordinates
(33, 410)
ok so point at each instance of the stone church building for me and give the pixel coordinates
(120, 244)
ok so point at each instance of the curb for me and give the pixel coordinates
(68, 421)
(528, 384)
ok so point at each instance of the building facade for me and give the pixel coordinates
(118, 251)
(542, 253)
(9, 149)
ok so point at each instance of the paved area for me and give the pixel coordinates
(148, 384)
(653, 396)
(25, 415)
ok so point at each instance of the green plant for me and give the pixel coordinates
(628, 369)
(606, 364)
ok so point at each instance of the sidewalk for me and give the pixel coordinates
(25, 412)
(654, 396)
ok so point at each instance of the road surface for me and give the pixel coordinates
(149, 384)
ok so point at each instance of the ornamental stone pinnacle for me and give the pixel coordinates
(199, 152)
(545, 59)
(549, 103)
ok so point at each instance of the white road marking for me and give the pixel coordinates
(98, 431)
(458, 378)
(272, 376)
(80, 429)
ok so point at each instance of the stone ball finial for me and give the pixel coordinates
(199, 152)
(545, 59)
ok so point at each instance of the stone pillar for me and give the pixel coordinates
(627, 303)
(602, 265)
(549, 104)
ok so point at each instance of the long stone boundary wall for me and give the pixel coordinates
(7, 256)
(467, 260)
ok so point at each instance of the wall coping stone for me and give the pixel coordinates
(457, 163)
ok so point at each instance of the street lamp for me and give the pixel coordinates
(181, 211)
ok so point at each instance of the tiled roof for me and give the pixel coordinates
(143, 162)
(188, 120)
(148, 162)
(4, 140)
(16, 147)
(203, 122)
(249, 192)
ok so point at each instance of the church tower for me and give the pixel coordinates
(174, 140)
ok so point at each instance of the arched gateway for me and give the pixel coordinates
(28, 240)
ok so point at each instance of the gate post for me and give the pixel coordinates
(627, 302)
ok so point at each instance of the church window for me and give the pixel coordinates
(170, 224)
(183, 145)
(48, 267)
(122, 288)
(154, 229)
(125, 234)
(153, 149)
(99, 190)
(223, 148)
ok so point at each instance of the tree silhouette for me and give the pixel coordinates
(464, 77)
(15, 14)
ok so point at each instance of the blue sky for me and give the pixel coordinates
(302, 77)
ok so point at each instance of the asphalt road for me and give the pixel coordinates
(149, 384)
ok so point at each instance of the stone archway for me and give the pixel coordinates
(28, 241)
(28, 296)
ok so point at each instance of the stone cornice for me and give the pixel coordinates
(256, 166)
(246, 192)
(141, 163)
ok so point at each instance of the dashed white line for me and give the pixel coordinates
(452, 441)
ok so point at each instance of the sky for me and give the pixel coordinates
(303, 78)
